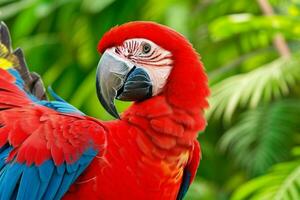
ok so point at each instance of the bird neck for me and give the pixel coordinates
(187, 85)
(166, 129)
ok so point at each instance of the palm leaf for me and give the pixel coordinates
(96, 6)
(272, 81)
(231, 25)
(14, 8)
(262, 136)
(281, 183)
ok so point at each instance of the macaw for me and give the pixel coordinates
(51, 150)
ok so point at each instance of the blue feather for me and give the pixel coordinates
(9, 180)
(62, 107)
(20, 84)
(45, 173)
(45, 181)
(45, 169)
(184, 185)
(73, 167)
(55, 96)
(19, 81)
(59, 104)
(53, 187)
(65, 184)
(4, 152)
(29, 184)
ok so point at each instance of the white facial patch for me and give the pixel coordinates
(158, 76)
(152, 58)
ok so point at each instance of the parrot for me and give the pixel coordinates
(49, 149)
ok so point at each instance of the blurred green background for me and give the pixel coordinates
(251, 147)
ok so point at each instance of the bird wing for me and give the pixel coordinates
(44, 145)
(190, 171)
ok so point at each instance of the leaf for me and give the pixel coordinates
(200, 189)
(46, 7)
(84, 45)
(177, 17)
(14, 8)
(84, 90)
(155, 9)
(230, 25)
(271, 81)
(281, 183)
(37, 40)
(262, 136)
(96, 6)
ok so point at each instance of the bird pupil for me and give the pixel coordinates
(146, 48)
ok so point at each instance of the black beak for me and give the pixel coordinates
(117, 78)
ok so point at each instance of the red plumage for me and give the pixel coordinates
(157, 131)
(187, 85)
(38, 133)
(141, 156)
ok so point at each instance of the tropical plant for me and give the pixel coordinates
(263, 136)
(281, 183)
(251, 53)
(262, 85)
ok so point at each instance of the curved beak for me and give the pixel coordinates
(118, 78)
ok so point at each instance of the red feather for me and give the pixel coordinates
(194, 162)
(38, 133)
(143, 155)
(187, 85)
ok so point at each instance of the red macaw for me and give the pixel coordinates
(51, 150)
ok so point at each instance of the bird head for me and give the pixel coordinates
(145, 59)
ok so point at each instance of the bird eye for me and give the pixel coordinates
(146, 48)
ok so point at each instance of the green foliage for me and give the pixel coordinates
(281, 183)
(269, 82)
(253, 121)
(95, 6)
(265, 26)
(262, 137)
